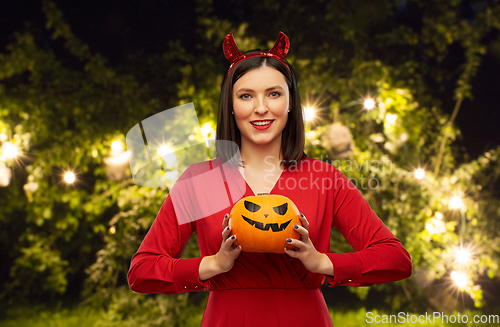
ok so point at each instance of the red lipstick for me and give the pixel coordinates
(261, 127)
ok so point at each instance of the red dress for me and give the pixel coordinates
(266, 289)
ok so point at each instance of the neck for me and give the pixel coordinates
(261, 156)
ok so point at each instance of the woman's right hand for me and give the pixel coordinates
(228, 252)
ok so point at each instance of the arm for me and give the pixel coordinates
(379, 256)
(156, 267)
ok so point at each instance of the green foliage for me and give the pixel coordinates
(57, 316)
(128, 309)
(158, 315)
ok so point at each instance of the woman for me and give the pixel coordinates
(260, 112)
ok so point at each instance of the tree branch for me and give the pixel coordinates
(445, 138)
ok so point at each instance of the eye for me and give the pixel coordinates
(282, 209)
(242, 96)
(252, 207)
(277, 94)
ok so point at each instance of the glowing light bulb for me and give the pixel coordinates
(117, 147)
(369, 104)
(69, 177)
(456, 202)
(419, 173)
(167, 154)
(435, 226)
(462, 256)
(5, 175)
(311, 134)
(10, 150)
(430, 227)
(164, 150)
(308, 114)
(391, 119)
(206, 129)
(459, 278)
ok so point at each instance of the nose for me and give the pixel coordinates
(266, 214)
(261, 106)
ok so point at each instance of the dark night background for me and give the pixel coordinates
(120, 28)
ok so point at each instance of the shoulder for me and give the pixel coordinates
(312, 165)
(202, 167)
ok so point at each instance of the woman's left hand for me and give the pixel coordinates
(304, 248)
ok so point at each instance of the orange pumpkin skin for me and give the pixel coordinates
(263, 223)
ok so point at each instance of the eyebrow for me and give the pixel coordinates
(268, 89)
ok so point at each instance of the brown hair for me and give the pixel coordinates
(292, 137)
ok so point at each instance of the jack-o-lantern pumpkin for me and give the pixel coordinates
(263, 223)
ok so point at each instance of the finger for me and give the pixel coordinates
(304, 233)
(298, 244)
(229, 242)
(304, 221)
(226, 233)
(291, 253)
(225, 220)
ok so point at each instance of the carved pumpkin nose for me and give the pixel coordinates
(266, 214)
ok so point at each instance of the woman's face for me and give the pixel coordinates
(260, 103)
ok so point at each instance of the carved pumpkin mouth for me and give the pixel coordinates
(273, 226)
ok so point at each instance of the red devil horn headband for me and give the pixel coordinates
(234, 55)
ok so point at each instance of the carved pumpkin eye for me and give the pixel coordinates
(282, 209)
(252, 207)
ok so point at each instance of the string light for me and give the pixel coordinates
(435, 226)
(206, 129)
(164, 150)
(167, 154)
(311, 134)
(5, 175)
(462, 256)
(419, 173)
(456, 202)
(369, 104)
(69, 177)
(308, 114)
(117, 147)
(459, 278)
(10, 150)
(117, 162)
(208, 132)
(390, 119)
